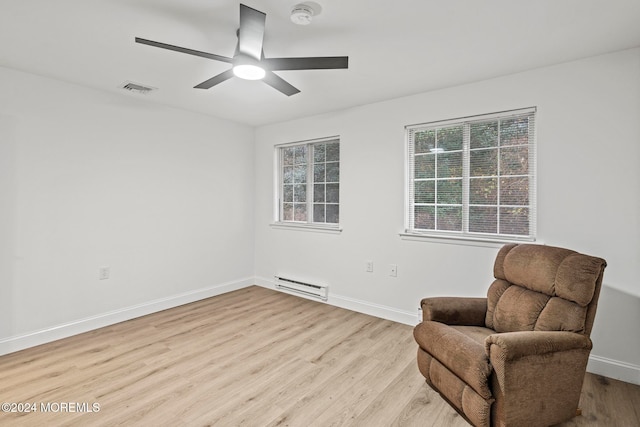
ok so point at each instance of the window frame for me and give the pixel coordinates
(412, 233)
(309, 225)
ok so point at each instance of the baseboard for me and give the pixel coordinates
(377, 310)
(615, 369)
(358, 305)
(20, 342)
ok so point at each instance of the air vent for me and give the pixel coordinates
(137, 88)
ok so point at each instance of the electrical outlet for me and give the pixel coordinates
(103, 273)
(369, 265)
(393, 270)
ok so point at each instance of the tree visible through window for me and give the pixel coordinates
(309, 186)
(473, 177)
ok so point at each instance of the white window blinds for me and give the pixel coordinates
(473, 177)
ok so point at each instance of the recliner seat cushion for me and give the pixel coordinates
(477, 333)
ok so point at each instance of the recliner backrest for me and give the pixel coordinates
(543, 288)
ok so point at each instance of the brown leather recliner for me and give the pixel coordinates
(517, 357)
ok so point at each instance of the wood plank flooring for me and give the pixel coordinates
(253, 357)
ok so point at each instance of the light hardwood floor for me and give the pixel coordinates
(252, 357)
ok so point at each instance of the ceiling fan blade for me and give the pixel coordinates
(313, 63)
(215, 80)
(184, 50)
(251, 32)
(279, 84)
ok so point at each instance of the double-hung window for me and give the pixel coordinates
(309, 183)
(473, 177)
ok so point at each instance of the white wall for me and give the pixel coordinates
(163, 197)
(588, 128)
(166, 198)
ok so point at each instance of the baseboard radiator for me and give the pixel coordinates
(320, 292)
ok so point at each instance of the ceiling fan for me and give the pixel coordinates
(249, 61)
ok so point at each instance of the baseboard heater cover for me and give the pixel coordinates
(296, 286)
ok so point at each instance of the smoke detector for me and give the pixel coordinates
(303, 13)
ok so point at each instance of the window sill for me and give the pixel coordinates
(462, 240)
(314, 228)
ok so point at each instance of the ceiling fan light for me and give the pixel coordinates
(249, 72)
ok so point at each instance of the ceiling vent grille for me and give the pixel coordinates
(137, 88)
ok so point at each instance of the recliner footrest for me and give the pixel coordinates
(459, 353)
(463, 398)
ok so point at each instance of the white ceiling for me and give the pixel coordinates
(395, 48)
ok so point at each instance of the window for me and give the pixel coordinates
(473, 177)
(309, 183)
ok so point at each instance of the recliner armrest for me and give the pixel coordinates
(515, 345)
(537, 375)
(455, 310)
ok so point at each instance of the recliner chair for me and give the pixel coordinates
(517, 357)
